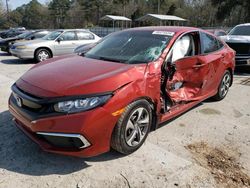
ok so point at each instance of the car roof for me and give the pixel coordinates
(71, 30)
(245, 24)
(175, 29)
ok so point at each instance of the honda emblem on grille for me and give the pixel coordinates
(19, 101)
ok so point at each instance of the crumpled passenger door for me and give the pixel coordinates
(190, 80)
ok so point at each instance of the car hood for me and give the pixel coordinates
(31, 42)
(20, 40)
(8, 40)
(77, 75)
(236, 38)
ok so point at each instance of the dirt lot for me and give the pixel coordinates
(209, 146)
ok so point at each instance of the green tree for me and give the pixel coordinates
(33, 15)
(232, 12)
(59, 11)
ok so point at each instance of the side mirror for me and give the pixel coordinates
(32, 38)
(59, 39)
(81, 50)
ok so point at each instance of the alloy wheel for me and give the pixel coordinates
(137, 126)
(225, 85)
(43, 55)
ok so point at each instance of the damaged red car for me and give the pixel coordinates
(116, 93)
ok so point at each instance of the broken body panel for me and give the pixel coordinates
(172, 87)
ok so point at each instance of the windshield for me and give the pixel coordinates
(130, 47)
(52, 36)
(240, 30)
(23, 35)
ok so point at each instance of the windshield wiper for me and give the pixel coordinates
(109, 59)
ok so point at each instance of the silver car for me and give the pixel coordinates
(56, 43)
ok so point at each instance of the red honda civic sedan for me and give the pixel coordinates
(113, 95)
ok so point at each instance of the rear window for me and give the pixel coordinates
(240, 30)
(84, 35)
(210, 43)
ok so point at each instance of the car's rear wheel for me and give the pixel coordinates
(132, 128)
(224, 86)
(42, 55)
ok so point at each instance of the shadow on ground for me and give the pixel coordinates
(4, 54)
(14, 61)
(17, 61)
(19, 154)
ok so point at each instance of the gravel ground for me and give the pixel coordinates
(209, 146)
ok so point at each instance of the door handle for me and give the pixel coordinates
(198, 65)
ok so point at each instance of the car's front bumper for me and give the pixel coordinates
(22, 53)
(94, 128)
(4, 48)
(242, 60)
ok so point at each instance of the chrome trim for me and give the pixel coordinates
(82, 138)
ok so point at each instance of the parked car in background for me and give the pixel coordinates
(217, 32)
(239, 40)
(56, 43)
(5, 44)
(13, 32)
(125, 86)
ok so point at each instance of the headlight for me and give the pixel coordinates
(79, 105)
(21, 47)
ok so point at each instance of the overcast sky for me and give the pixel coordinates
(16, 3)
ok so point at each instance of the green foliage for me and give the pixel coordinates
(58, 11)
(83, 13)
(232, 12)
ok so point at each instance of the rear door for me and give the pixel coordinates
(213, 53)
(66, 43)
(85, 37)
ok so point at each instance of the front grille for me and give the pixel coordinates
(30, 106)
(240, 48)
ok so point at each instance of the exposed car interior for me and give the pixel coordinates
(174, 88)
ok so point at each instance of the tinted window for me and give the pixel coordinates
(221, 33)
(40, 34)
(210, 44)
(240, 30)
(69, 35)
(25, 35)
(84, 35)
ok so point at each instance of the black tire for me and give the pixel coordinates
(8, 51)
(119, 140)
(225, 83)
(42, 55)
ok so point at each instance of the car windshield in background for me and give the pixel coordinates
(24, 35)
(52, 36)
(131, 47)
(240, 30)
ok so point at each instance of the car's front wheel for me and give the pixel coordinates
(132, 128)
(42, 55)
(224, 86)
